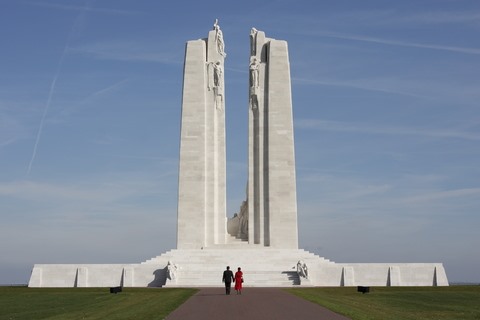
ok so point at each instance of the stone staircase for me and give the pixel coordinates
(261, 266)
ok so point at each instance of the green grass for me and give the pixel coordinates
(386, 303)
(89, 303)
(402, 303)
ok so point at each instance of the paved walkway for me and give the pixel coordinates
(253, 304)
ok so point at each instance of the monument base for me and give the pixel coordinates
(261, 266)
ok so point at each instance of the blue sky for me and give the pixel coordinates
(387, 126)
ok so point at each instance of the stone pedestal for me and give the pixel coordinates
(262, 267)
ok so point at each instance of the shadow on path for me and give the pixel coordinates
(252, 304)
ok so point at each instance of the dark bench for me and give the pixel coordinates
(115, 290)
(363, 289)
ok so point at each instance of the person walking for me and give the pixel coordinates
(227, 279)
(239, 281)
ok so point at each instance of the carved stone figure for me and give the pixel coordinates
(215, 82)
(243, 217)
(254, 82)
(253, 42)
(218, 85)
(217, 74)
(171, 271)
(302, 269)
(254, 73)
(219, 39)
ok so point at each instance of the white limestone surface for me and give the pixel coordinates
(272, 195)
(202, 170)
(262, 267)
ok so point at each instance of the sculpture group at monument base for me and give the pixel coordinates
(262, 267)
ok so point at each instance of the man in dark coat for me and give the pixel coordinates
(227, 278)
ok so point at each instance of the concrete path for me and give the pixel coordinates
(252, 304)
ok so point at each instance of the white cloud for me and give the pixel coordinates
(438, 17)
(10, 130)
(87, 8)
(385, 18)
(338, 126)
(127, 51)
(111, 88)
(430, 86)
(457, 49)
(101, 190)
(364, 84)
(445, 195)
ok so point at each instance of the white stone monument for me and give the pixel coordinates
(263, 237)
(270, 210)
(201, 185)
(272, 190)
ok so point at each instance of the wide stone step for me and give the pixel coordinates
(252, 279)
(212, 253)
(262, 267)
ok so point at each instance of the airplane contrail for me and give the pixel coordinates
(42, 121)
(52, 88)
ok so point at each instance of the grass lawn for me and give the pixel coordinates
(89, 303)
(385, 303)
(402, 303)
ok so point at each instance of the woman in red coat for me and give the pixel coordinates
(238, 281)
